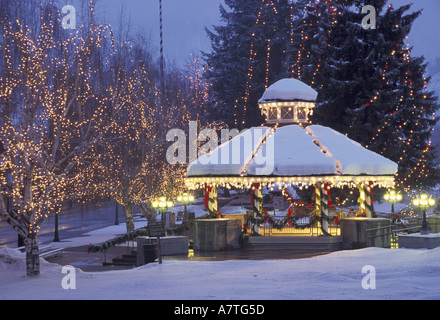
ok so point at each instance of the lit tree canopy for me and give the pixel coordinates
(50, 115)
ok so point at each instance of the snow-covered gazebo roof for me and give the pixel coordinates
(289, 90)
(291, 153)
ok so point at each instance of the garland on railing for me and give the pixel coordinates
(123, 238)
(291, 221)
(184, 226)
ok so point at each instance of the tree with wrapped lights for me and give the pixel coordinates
(370, 87)
(50, 119)
(131, 165)
(247, 55)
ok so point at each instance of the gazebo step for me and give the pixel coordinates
(331, 243)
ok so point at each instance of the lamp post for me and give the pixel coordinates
(56, 233)
(392, 196)
(162, 79)
(162, 204)
(423, 202)
(185, 199)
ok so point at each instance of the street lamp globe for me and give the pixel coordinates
(185, 199)
(392, 196)
(424, 202)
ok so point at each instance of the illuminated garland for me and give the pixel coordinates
(246, 182)
(256, 218)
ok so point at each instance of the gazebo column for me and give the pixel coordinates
(257, 202)
(321, 204)
(325, 206)
(211, 198)
(365, 199)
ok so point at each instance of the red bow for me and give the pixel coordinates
(207, 191)
(254, 186)
(327, 187)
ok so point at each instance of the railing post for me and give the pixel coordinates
(365, 200)
(257, 202)
(325, 206)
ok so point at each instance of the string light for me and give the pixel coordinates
(88, 120)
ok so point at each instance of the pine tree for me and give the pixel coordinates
(369, 86)
(248, 54)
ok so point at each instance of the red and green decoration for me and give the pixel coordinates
(254, 218)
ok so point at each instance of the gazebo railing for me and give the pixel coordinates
(299, 227)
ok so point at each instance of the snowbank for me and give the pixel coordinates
(400, 274)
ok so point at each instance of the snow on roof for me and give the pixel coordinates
(291, 151)
(288, 90)
(231, 157)
(350, 157)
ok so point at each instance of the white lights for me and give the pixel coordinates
(194, 183)
(185, 198)
(392, 196)
(162, 203)
(287, 111)
(423, 201)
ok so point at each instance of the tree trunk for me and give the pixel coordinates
(32, 254)
(128, 213)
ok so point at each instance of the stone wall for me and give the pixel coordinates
(355, 235)
(217, 234)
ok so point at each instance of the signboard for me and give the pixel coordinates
(156, 229)
(278, 203)
(170, 219)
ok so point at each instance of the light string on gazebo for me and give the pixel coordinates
(299, 181)
(266, 135)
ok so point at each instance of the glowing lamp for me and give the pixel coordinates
(424, 202)
(392, 196)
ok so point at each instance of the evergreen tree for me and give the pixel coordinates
(248, 53)
(369, 86)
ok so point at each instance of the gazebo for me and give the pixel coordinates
(288, 150)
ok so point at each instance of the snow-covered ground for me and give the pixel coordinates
(399, 274)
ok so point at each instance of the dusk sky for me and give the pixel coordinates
(184, 22)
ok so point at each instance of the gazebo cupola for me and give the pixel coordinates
(288, 101)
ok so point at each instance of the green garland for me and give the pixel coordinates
(123, 238)
(185, 226)
(292, 220)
